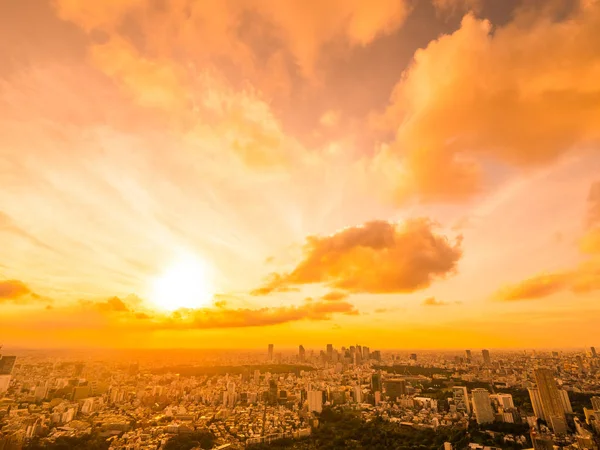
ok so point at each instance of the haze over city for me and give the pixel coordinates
(183, 174)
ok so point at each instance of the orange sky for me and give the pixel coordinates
(399, 173)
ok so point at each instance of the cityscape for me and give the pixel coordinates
(299, 224)
(244, 400)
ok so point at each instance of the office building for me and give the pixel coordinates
(461, 399)
(270, 352)
(551, 398)
(7, 364)
(376, 384)
(273, 392)
(315, 401)
(329, 352)
(566, 403)
(486, 356)
(593, 352)
(536, 403)
(395, 388)
(358, 397)
(301, 354)
(482, 406)
(468, 355)
(596, 403)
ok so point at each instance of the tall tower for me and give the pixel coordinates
(486, 356)
(482, 406)
(552, 403)
(6, 367)
(329, 352)
(468, 355)
(593, 351)
(270, 353)
(301, 353)
(536, 403)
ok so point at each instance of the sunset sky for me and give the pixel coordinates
(395, 173)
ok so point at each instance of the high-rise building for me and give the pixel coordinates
(273, 392)
(270, 352)
(395, 388)
(536, 403)
(413, 356)
(301, 354)
(596, 403)
(366, 353)
(461, 399)
(315, 401)
(376, 385)
(468, 355)
(486, 356)
(551, 398)
(358, 396)
(329, 352)
(593, 351)
(566, 403)
(6, 364)
(6, 367)
(482, 406)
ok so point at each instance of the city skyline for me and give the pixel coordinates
(415, 175)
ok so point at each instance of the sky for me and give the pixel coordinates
(394, 173)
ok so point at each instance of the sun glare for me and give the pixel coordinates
(186, 284)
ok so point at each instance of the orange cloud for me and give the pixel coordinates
(13, 290)
(432, 301)
(335, 296)
(451, 7)
(299, 28)
(116, 313)
(376, 257)
(520, 95)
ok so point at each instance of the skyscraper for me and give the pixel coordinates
(482, 406)
(270, 353)
(395, 388)
(536, 403)
(273, 392)
(6, 367)
(486, 356)
(566, 403)
(468, 354)
(593, 351)
(329, 352)
(301, 354)
(315, 401)
(376, 385)
(552, 403)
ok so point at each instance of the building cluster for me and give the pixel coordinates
(263, 398)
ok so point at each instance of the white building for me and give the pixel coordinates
(315, 401)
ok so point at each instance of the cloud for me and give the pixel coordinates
(294, 27)
(431, 301)
(593, 215)
(335, 296)
(451, 7)
(117, 314)
(13, 290)
(520, 95)
(377, 257)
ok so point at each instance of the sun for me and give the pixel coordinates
(185, 284)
